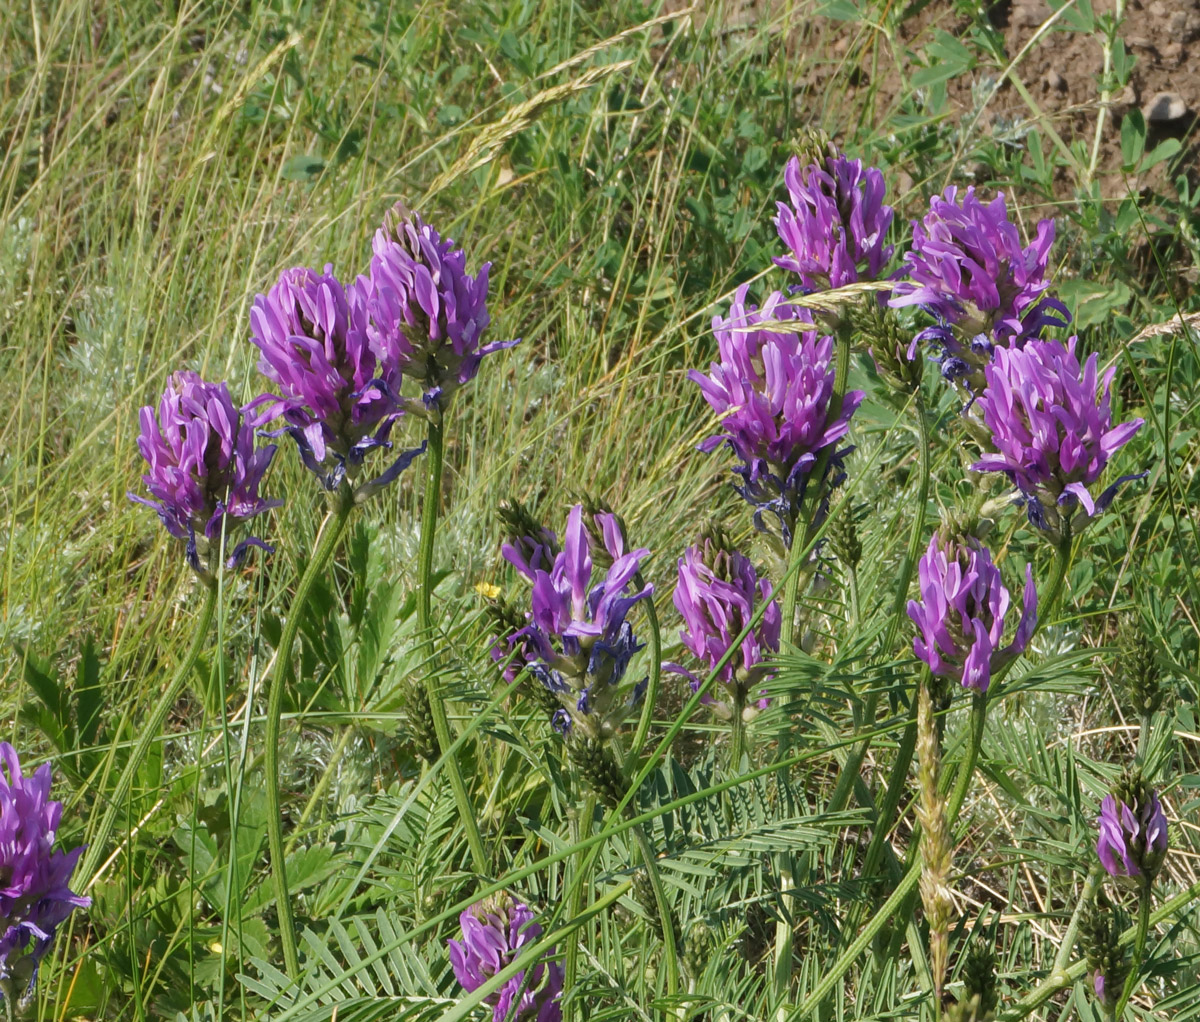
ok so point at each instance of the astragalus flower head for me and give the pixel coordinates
(1133, 830)
(717, 594)
(426, 314)
(968, 269)
(772, 389)
(204, 469)
(35, 895)
(338, 399)
(1051, 431)
(960, 616)
(836, 223)
(579, 633)
(493, 933)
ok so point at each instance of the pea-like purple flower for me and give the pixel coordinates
(426, 314)
(717, 594)
(835, 224)
(1051, 432)
(1133, 831)
(35, 897)
(204, 472)
(960, 616)
(578, 630)
(967, 268)
(1103, 995)
(772, 389)
(493, 933)
(339, 401)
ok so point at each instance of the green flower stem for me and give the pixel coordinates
(800, 547)
(1067, 942)
(1139, 943)
(783, 940)
(575, 899)
(437, 709)
(1059, 979)
(664, 909)
(908, 742)
(277, 682)
(881, 919)
(149, 732)
(654, 642)
(812, 492)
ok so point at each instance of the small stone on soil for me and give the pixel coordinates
(1053, 80)
(1164, 107)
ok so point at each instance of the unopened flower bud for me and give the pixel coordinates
(1100, 926)
(596, 764)
(1138, 668)
(843, 539)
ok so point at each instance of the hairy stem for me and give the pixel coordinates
(149, 729)
(277, 682)
(437, 709)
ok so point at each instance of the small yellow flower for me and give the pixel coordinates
(488, 591)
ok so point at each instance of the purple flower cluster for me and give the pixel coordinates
(338, 398)
(493, 933)
(772, 388)
(1051, 434)
(578, 637)
(717, 594)
(1133, 833)
(204, 471)
(968, 269)
(427, 314)
(35, 896)
(339, 354)
(836, 223)
(961, 614)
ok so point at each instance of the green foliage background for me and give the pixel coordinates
(618, 163)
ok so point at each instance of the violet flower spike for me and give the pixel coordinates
(1132, 837)
(968, 269)
(338, 400)
(426, 314)
(960, 616)
(835, 224)
(772, 388)
(493, 933)
(1051, 432)
(204, 470)
(579, 632)
(36, 896)
(717, 594)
